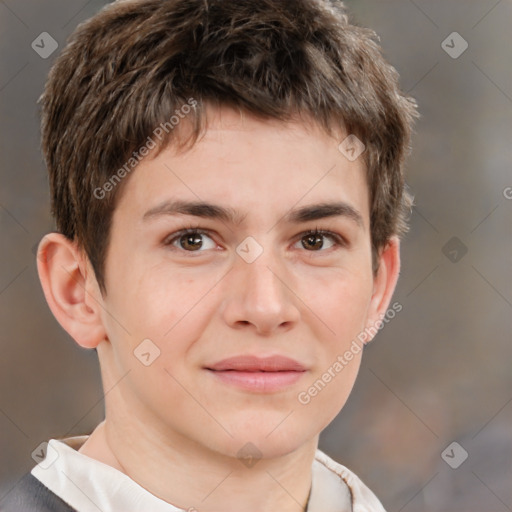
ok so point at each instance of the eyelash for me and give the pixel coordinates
(338, 240)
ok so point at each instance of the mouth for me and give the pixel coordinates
(263, 375)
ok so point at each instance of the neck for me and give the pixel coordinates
(188, 476)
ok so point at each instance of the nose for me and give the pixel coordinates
(259, 298)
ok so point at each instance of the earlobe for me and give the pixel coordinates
(384, 284)
(69, 288)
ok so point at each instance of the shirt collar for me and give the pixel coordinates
(89, 485)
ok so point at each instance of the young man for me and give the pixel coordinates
(227, 182)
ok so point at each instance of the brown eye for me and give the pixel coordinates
(313, 241)
(190, 240)
(318, 240)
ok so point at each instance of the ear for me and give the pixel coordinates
(384, 284)
(71, 289)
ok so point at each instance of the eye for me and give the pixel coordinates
(197, 240)
(191, 240)
(315, 241)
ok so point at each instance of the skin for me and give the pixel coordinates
(173, 426)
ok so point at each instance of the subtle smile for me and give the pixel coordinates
(261, 375)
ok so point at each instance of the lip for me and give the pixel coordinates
(258, 374)
(250, 363)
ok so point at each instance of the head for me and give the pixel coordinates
(240, 109)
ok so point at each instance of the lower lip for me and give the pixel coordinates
(262, 382)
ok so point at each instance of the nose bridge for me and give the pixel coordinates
(261, 278)
(258, 293)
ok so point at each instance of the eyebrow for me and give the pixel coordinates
(212, 211)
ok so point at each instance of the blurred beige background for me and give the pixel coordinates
(439, 372)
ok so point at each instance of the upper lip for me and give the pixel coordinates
(250, 363)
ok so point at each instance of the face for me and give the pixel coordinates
(246, 302)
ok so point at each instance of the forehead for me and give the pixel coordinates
(255, 166)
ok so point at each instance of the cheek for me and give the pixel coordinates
(158, 302)
(340, 301)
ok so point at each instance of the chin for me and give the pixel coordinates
(268, 437)
(252, 448)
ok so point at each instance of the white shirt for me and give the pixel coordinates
(89, 485)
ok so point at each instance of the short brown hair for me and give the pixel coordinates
(131, 66)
